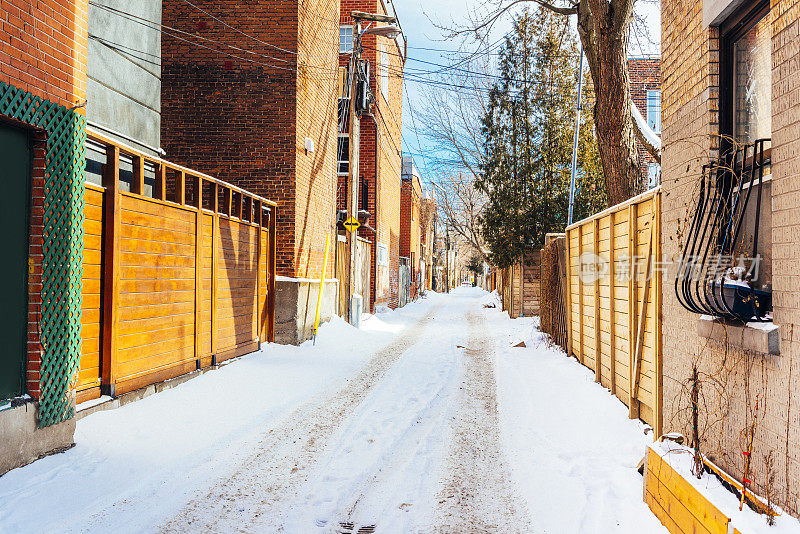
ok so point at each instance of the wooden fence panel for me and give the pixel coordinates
(614, 301)
(88, 386)
(236, 306)
(156, 312)
(553, 298)
(184, 284)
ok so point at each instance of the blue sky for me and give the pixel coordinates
(418, 18)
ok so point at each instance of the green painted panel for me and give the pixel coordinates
(62, 267)
(15, 176)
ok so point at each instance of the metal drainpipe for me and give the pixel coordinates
(374, 280)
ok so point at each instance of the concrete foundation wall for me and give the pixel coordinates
(22, 442)
(296, 305)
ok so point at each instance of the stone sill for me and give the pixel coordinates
(764, 338)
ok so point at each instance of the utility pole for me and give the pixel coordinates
(352, 170)
(447, 258)
(575, 142)
(390, 32)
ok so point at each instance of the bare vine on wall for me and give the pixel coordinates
(724, 393)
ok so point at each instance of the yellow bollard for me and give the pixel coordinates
(321, 288)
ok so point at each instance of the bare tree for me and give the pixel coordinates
(604, 27)
(451, 120)
(460, 204)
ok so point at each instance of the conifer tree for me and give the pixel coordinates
(528, 137)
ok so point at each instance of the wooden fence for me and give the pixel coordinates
(363, 267)
(518, 286)
(178, 272)
(553, 290)
(615, 301)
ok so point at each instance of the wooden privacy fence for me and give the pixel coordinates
(178, 271)
(553, 283)
(615, 301)
(363, 263)
(518, 286)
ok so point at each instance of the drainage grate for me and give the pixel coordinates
(345, 527)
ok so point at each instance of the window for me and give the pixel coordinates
(383, 254)
(746, 117)
(345, 39)
(746, 86)
(653, 175)
(654, 110)
(343, 155)
(725, 269)
(384, 71)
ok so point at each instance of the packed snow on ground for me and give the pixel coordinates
(152, 455)
(746, 520)
(573, 451)
(398, 399)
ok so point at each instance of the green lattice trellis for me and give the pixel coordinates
(62, 267)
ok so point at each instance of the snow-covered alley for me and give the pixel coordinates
(427, 419)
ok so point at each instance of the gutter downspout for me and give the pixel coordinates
(374, 266)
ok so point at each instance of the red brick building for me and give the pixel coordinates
(42, 128)
(257, 107)
(645, 77)
(411, 227)
(380, 147)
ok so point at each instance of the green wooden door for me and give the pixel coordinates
(15, 168)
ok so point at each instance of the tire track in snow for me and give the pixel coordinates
(478, 495)
(284, 458)
(382, 467)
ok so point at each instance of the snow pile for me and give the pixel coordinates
(680, 458)
(649, 135)
(144, 460)
(573, 451)
(492, 300)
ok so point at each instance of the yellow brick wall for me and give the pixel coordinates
(732, 379)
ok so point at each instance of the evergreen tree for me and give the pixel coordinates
(528, 136)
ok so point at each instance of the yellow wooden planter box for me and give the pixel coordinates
(680, 507)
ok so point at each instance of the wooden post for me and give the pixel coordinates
(580, 291)
(259, 270)
(273, 216)
(160, 192)
(137, 186)
(228, 201)
(598, 349)
(612, 303)
(568, 285)
(240, 207)
(643, 312)
(111, 223)
(180, 188)
(632, 240)
(658, 373)
(197, 186)
(214, 271)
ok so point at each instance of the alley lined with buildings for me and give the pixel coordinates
(411, 424)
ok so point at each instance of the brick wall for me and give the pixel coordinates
(43, 48)
(732, 378)
(410, 238)
(645, 74)
(380, 153)
(42, 51)
(244, 116)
